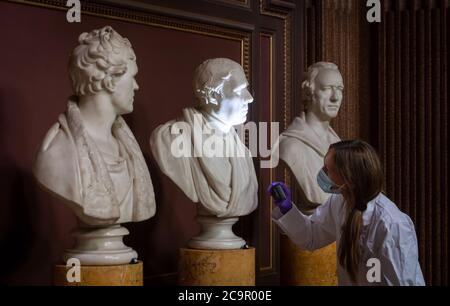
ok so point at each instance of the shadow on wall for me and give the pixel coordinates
(16, 223)
(157, 240)
(33, 229)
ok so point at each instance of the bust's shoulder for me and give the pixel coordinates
(52, 138)
(55, 162)
(56, 143)
(291, 148)
(289, 143)
(163, 134)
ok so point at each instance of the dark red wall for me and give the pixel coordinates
(170, 39)
(396, 98)
(34, 86)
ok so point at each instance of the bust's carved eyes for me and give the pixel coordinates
(333, 87)
(240, 89)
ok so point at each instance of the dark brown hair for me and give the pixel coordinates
(357, 163)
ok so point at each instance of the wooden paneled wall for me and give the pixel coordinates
(335, 32)
(413, 91)
(396, 97)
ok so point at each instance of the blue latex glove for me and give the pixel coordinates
(286, 204)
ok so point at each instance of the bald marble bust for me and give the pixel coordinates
(223, 185)
(305, 142)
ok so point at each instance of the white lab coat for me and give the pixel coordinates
(387, 235)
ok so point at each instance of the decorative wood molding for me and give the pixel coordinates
(283, 11)
(285, 15)
(139, 17)
(282, 4)
(267, 175)
(245, 4)
(178, 14)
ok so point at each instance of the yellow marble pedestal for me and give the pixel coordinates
(119, 275)
(216, 267)
(304, 268)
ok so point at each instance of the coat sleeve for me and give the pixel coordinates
(313, 232)
(399, 256)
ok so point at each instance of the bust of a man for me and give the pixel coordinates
(305, 142)
(225, 185)
(89, 157)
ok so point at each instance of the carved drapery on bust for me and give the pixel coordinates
(90, 157)
(225, 186)
(101, 187)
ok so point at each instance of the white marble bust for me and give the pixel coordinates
(224, 186)
(305, 142)
(89, 157)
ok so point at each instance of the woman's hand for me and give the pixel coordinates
(286, 204)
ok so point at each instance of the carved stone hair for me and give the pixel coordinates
(99, 61)
(210, 78)
(310, 76)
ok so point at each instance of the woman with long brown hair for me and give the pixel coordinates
(376, 242)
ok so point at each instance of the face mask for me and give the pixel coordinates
(326, 184)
